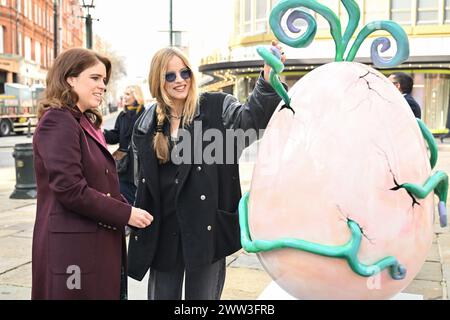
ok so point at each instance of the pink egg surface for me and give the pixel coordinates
(352, 139)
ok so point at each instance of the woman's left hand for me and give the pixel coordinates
(267, 68)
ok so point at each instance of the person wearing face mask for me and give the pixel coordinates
(133, 101)
(78, 247)
(192, 193)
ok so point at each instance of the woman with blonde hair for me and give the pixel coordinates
(78, 240)
(192, 193)
(133, 106)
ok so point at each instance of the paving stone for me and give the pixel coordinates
(244, 284)
(444, 245)
(247, 260)
(433, 255)
(229, 260)
(431, 271)
(9, 204)
(20, 277)
(137, 290)
(446, 273)
(5, 232)
(439, 230)
(28, 233)
(20, 219)
(14, 252)
(431, 290)
(14, 293)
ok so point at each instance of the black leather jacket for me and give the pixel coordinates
(208, 194)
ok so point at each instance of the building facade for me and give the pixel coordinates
(427, 24)
(27, 37)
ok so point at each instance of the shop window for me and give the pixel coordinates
(261, 16)
(436, 101)
(427, 11)
(374, 10)
(27, 48)
(401, 11)
(254, 16)
(447, 11)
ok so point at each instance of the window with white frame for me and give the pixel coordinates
(4, 3)
(427, 11)
(253, 16)
(37, 52)
(401, 11)
(2, 39)
(374, 11)
(27, 48)
(20, 44)
(247, 23)
(49, 56)
(447, 11)
(19, 5)
(261, 16)
(25, 7)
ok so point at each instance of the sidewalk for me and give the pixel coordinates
(246, 279)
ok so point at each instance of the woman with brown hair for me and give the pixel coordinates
(78, 240)
(192, 191)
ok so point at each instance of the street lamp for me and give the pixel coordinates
(55, 27)
(88, 4)
(171, 23)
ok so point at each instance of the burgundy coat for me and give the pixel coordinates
(81, 214)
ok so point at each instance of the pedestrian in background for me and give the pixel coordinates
(404, 84)
(133, 106)
(194, 206)
(78, 240)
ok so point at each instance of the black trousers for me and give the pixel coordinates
(203, 283)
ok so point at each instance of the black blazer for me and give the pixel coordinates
(121, 134)
(414, 105)
(208, 193)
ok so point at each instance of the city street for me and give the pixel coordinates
(7, 143)
(246, 279)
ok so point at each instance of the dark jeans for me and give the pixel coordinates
(128, 190)
(203, 283)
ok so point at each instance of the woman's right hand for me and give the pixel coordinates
(140, 218)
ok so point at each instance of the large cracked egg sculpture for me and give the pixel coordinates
(341, 204)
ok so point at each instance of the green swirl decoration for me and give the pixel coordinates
(341, 40)
(348, 251)
(438, 182)
(277, 67)
(429, 138)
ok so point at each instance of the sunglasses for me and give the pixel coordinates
(184, 74)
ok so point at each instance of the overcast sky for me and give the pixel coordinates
(134, 27)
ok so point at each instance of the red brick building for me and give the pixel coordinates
(27, 38)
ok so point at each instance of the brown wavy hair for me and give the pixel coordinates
(156, 80)
(59, 93)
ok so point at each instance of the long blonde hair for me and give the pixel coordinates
(138, 95)
(59, 93)
(156, 80)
